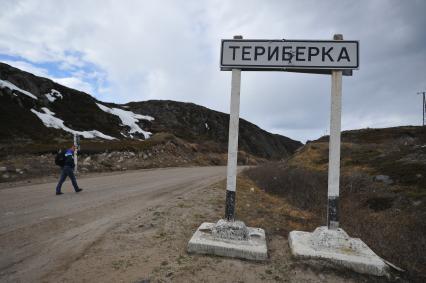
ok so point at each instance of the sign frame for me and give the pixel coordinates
(284, 67)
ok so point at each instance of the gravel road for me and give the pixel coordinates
(41, 233)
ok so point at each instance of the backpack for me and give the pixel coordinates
(60, 158)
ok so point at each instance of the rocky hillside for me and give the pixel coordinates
(397, 155)
(38, 111)
(382, 191)
(202, 125)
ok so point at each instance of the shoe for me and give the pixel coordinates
(78, 190)
(60, 193)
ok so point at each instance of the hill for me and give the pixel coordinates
(382, 191)
(202, 125)
(38, 116)
(35, 110)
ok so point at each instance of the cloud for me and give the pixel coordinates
(75, 83)
(136, 50)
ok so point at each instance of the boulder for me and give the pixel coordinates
(87, 160)
(384, 179)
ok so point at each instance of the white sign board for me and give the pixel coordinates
(246, 54)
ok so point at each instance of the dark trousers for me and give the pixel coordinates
(67, 171)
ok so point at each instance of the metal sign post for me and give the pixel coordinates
(231, 180)
(305, 56)
(229, 237)
(334, 147)
(77, 147)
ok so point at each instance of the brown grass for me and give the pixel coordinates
(276, 215)
(389, 221)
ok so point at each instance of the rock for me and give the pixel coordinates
(383, 178)
(235, 230)
(87, 160)
(11, 169)
(3, 169)
(145, 156)
(100, 157)
(407, 140)
(5, 176)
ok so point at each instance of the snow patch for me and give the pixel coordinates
(50, 121)
(47, 111)
(207, 126)
(4, 84)
(128, 118)
(53, 95)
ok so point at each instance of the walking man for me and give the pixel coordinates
(67, 165)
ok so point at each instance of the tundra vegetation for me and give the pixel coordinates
(382, 191)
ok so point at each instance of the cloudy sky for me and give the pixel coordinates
(122, 51)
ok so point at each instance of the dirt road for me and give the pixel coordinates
(134, 227)
(41, 233)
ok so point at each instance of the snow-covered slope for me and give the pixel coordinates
(29, 103)
(53, 95)
(49, 120)
(15, 89)
(128, 118)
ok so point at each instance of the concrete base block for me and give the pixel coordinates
(337, 247)
(205, 241)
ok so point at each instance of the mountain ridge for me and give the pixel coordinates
(57, 112)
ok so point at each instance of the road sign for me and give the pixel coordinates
(312, 55)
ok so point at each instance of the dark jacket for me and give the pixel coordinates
(69, 158)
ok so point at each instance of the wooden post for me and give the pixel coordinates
(334, 147)
(234, 117)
